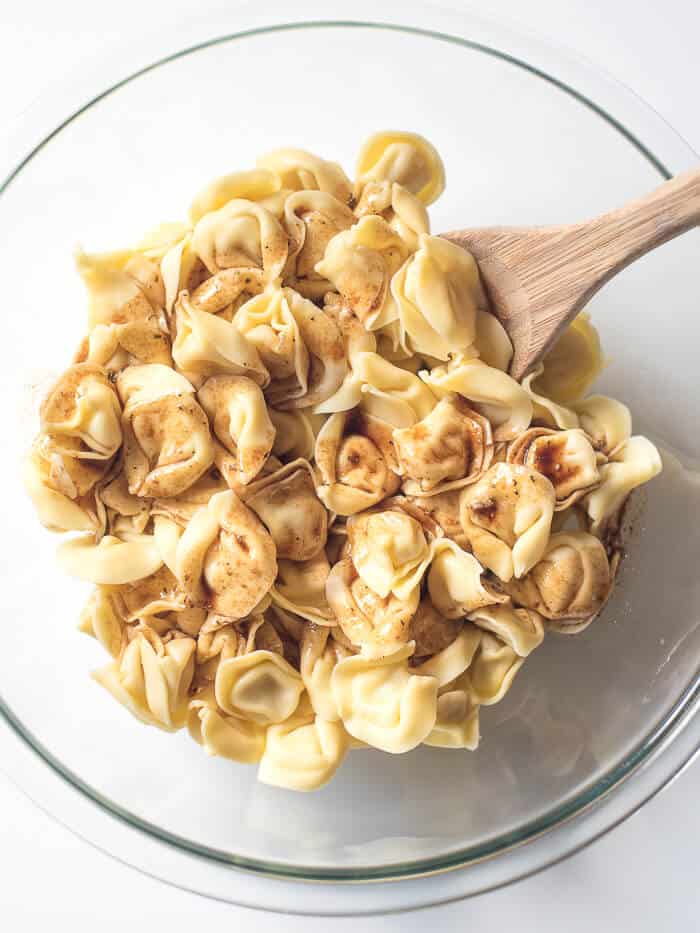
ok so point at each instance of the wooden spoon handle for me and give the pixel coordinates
(612, 241)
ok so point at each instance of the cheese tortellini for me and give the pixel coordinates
(316, 510)
(507, 517)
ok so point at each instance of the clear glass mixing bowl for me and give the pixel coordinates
(594, 724)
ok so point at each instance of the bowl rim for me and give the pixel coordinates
(677, 153)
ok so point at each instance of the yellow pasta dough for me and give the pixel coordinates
(317, 511)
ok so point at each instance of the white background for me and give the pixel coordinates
(642, 877)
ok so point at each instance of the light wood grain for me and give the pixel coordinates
(538, 279)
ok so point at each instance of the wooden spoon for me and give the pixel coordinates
(539, 278)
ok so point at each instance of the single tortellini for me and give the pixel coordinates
(294, 434)
(126, 297)
(58, 509)
(451, 447)
(152, 679)
(101, 620)
(287, 504)
(300, 588)
(521, 629)
(220, 639)
(240, 421)
(377, 624)
(261, 687)
(389, 550)
(84, 405)
(457, 721)
(303, 753)
(252, 185)
(111, 561)
(391, 393)
(299, 344)
(229, 737)
(546, 410)
(318, 656)
(167, 443)
(438, 294)
(491, 672)
(492, 342)
(207, 345)
(632, 463)
(572, 364)
(406, 158)
(455, 581)
(356, 462)
(226, 559)
(357, 341)
(570, 584)
(241, 234)
(447, 664)
(360, 263)
(566, 458)
(381, 702)
(303, 171)
(125, 513)
(442, 509)
(508, 636)
(492, 392)
(183, 270)
(312, 219)
(224, 293)
(506, 517)
(607, 422)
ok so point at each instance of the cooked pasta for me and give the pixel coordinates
(317, 511)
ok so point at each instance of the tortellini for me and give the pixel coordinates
(152, 679)
(126, 297)
(303, 171)
(206, 345)
(632, 463)
(438, 294)
(384, 704)
(450, 447)
(317, 512)
(219, 734)
(505, 403)
(84, 405)
(566, 458)
(301, 346)
(375, 623)
(287, 504)
(226, 559)
(300, 588)
(506, 517)
(405, 158)
(236, 408)
(508, 637)
(260, 686)
(360, 263)
(570, 584)
(389, 550)
(243, 234)
(356, 462)
(312, 219)
(167, 442)
(112, 561)
(456, 581)
(303, 753)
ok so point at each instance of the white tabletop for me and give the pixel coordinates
(641, 877)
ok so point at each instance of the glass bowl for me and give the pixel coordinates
(594, 724)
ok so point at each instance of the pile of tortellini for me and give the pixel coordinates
(318, 512)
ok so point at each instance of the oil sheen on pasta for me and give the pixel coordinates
(317, 512)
